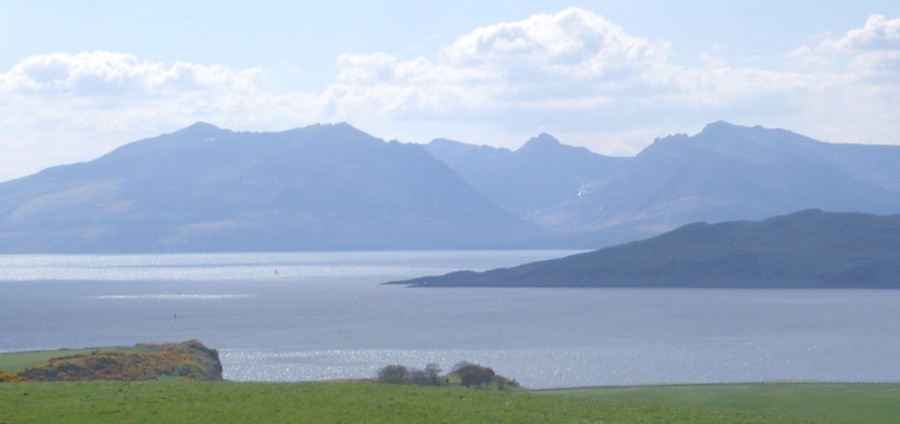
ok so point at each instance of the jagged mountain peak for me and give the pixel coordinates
(729, 172)
(200, 126)
(718, 131)
(201, 130)
(545, 144)
(720, 126)
(732, 140)
(338, 126)
(541, 141)
(204, 131)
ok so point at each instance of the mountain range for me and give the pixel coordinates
(726, 172)
(530, 181)
(808, 249)
(323, 187)
(334, 187)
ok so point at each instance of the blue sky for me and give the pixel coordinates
(78, 79)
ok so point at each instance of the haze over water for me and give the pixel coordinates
(313, 316)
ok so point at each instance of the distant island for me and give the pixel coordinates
(808, 249)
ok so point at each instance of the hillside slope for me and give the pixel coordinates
(322, 187)
(532, 180)
(809, 249)
(726, 172)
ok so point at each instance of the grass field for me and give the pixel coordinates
(838, 403)
(348, 402)
(12, 362)
(174, 400)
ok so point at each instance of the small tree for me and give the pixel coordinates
(473, 374)
(433, 374)
(417, 376)
(393, 374)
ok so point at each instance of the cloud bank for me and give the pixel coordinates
(112, 74)
(572, 73)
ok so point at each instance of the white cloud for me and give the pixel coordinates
(576, 72)
(571, 73)
(574, 44)
(881, 67)
(60, 108)
(366, 68)
(858, 96)
(805, 57)
(872, 52)
(112, 93)
(103, 73)
(550, 62)
(879, 33)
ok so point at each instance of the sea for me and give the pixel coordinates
(312, 316)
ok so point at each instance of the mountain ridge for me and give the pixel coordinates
(333, 186)
(206, 189)
(729, 172)
(725, 172)
(537, 177)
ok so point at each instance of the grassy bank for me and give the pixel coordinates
(350, 402)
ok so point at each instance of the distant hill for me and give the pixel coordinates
(541, 175)
(334, 187)
(323, 187)
(809, 249)
(726, 172)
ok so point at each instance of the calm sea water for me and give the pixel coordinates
(313, 316)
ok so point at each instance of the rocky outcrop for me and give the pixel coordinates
(187, 360)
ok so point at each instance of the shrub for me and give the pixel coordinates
(7, 377)
(394, 374)
(473, 374)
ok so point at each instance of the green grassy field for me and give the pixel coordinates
(340, 402)
(12, 362)
(838, 403)
(174, 400)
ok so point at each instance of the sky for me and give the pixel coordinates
(78, 79)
